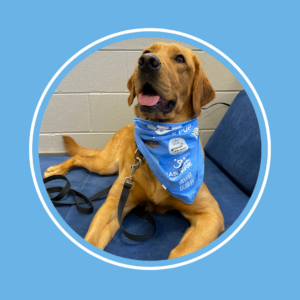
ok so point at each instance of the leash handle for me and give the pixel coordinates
(63, 191)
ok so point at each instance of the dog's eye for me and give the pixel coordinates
(180, 59)
(145, 52)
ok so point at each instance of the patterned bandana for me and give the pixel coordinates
(174, 155)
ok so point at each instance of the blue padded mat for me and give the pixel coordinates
(170, 226)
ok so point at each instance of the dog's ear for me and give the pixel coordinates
(130, 86)
(203, 91)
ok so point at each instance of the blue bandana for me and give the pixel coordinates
(174, 155)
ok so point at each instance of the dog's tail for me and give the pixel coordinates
(73, 148)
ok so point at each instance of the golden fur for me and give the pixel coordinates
(187, 84)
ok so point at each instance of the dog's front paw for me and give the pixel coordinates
(178, 252)
(55, 170)
(91, 239)
(173, 254)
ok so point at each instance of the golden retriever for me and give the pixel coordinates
(174, 74)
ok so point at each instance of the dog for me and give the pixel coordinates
(173, 73)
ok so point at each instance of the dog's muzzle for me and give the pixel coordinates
(148, 63)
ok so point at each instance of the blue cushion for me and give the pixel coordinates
(170, 226)
(235, 146)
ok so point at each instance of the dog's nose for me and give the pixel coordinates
(149, 62)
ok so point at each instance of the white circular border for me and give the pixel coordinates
(192, 38)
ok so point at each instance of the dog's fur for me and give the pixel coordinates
(187, 84)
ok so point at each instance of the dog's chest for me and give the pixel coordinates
(150, 185)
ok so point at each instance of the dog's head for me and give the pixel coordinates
(169, 83)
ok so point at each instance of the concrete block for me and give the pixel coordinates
(99, 72)
(142, 43)
(67, 113)
(45, 143)
(210, 118)
(110, 112)
(220, 77)
(131, 60)
(205, 136)
(86, 140)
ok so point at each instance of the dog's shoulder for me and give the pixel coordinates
(126, 132)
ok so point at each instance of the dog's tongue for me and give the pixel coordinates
(147, 99)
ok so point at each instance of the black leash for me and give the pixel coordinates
(223, 103)
(138, 211)
(64, 190)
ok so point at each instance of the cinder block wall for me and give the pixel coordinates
(90, 104)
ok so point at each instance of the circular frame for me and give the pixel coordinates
(264, 176)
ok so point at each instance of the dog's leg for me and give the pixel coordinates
(98, 163)
(105, 223)
(206, 221)
(103, 162)
(204, 229)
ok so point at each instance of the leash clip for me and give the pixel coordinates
(136, 164)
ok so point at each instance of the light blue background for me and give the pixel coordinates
(38, 261)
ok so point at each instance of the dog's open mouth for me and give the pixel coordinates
(149, 100)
